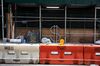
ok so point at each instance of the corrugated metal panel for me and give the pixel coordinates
(58, 2)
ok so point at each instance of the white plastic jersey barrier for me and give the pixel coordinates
(29, 53)
(9, 56)
(19, 53)
(1, 53)
(1, 56)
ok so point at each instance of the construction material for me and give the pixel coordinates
(15, 40)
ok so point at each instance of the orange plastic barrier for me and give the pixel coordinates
(92, 54)
(69, 54)
(96, 54)
(88, 50)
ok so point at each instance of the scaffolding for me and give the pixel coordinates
(2, 10)
(67, 21)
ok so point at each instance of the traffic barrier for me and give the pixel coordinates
(96, 54)
(10, 56)
(28, 53)
(50, 53)
(88, 50)
(21, 53)
(1, 56)
(67, 54)
(92, 54)
(1, 53)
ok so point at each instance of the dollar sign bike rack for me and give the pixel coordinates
(55, 31)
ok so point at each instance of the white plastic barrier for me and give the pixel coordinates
(1, 56)
(1, 53)
(10, 56)
(25, 57)
(21, 53)
(35, 53)
(9, 53)
(29, 53)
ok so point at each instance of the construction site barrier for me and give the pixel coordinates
(67, 54)
(92, 54)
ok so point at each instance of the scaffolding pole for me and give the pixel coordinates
(65, 22)
(2, 19)
(40, 21)
(95, 24)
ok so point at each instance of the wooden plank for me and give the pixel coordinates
(9, 28)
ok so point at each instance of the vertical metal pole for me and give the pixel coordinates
(95, 25)
(15, 19)
(65, 21)
(55, 33)
(2, 19)
(40, 21)
(11, 22)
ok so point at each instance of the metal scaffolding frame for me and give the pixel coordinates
(95, 23)
(65, 22)
(61, 19)
(2, 19)
(40, 22)
(56, 19)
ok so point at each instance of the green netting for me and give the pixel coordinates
(58, 2)
(21, 1)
